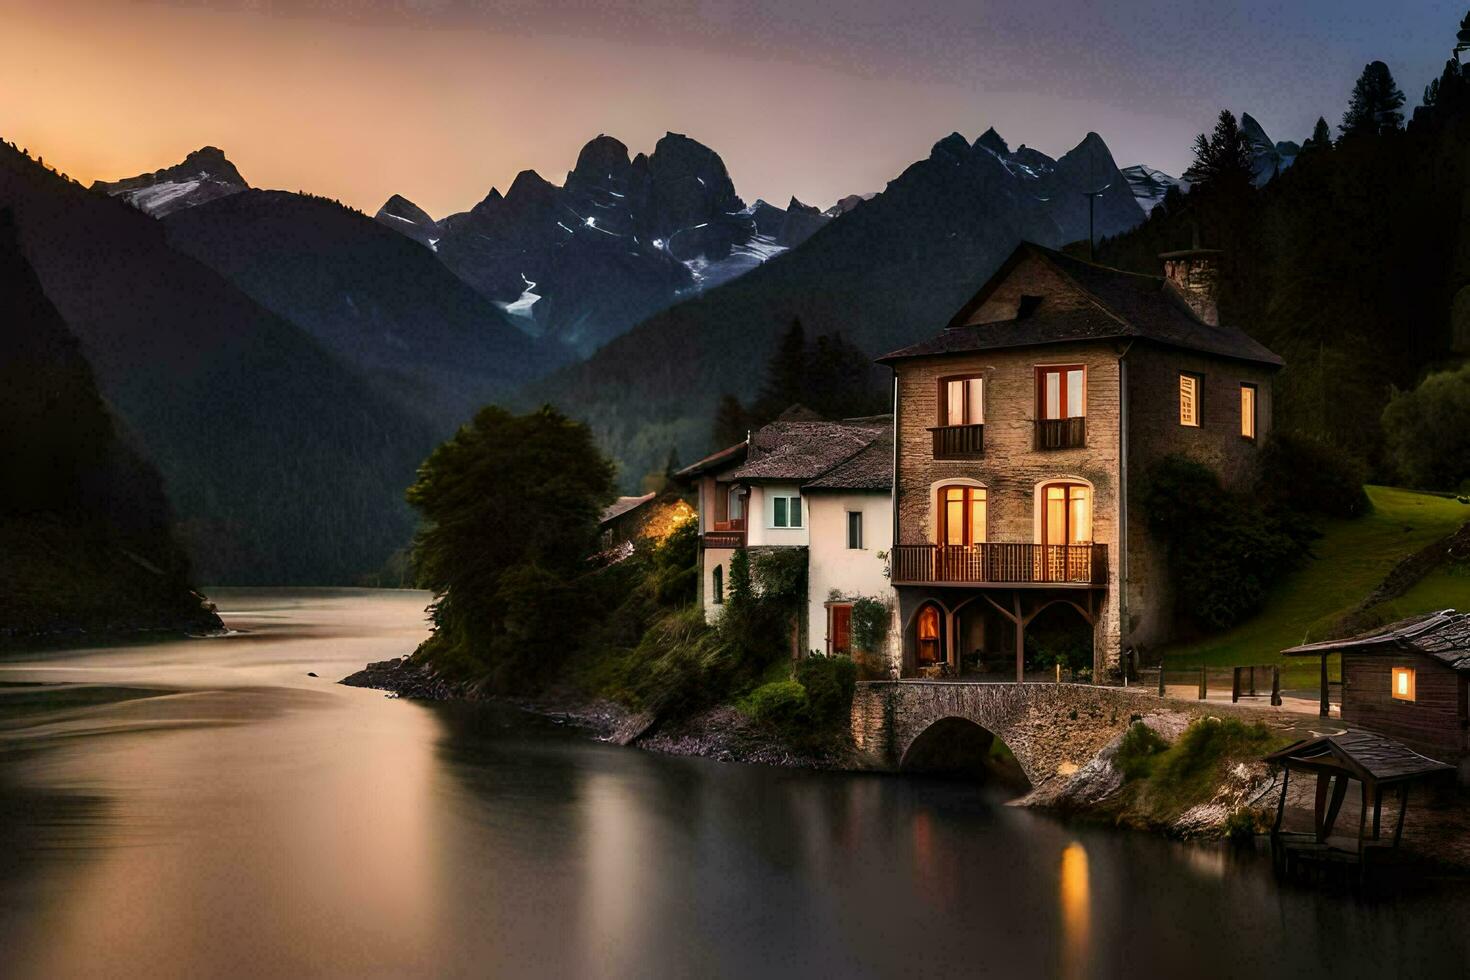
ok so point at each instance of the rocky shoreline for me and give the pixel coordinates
(721, 733)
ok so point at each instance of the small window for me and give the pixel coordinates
(1403, 683)
(964, 401)
(1248, 411)
(1189, 410)
(718, 588)
(855, 529)
(786, 512)
(1061, 392)
(839, 628)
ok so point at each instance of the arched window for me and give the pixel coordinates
(718, 587)
(961, 515)
(1066, 514)
(928, 650)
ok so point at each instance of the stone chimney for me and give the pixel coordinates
(1193, 275)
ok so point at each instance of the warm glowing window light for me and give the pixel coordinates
(1248, 411)
(1403, 683)
(1189, 400)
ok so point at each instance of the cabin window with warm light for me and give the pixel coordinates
(1189, 386)
(962, 515)
(964, 401)
(1248, 411)
(1403, 683)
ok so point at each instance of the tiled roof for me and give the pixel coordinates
(1444, 635)
(622, 505)
(802, 451)
(1125, 305)
(1369, 754)
(714, 461)
(870, 469)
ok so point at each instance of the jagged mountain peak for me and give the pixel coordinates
(205, 174)
(954, 147)
(401, 214)
(991, 140)
(602, 155)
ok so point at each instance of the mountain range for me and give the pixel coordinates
(619, 240)
(888, 272)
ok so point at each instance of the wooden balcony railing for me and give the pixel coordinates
(1001, 564)
(733, 524)
(959, 441)
(1061, 433)
(724, 539)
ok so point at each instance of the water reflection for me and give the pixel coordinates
(1076, 904)
(217, 812)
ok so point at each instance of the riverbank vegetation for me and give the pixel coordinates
(526, 601)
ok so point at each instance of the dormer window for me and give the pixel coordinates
(1027, 306)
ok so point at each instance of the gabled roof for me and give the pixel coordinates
(870, 469)
(1444, 635)
(1122, 305)
(622, 506)
(800, 451)
(730, 456)
(1367, 756)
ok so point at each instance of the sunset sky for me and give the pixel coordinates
(441, 99)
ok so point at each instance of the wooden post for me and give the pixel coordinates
(1377, 808)
(1326, 708)
(1276, 687)
(1362, 819)
(1398, 827)
(1020, 641)
(1253, 681)
(1161, 678)
(1203, 684)
(1235, 685)
(1059, 671)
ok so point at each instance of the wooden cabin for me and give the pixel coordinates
(1409, 680)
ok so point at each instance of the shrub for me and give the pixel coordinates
(1140, 745)
(782, 705)
(675, 571)
(1427, 431)
(1311, 476)
(829, 683)
(1246, 547)
(1189, 770)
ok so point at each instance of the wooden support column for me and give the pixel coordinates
(1020, 638)
(1326, 708)
(1276, 687)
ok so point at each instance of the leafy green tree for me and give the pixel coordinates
(510, 508)
(1427, 431)
(1374, 107)
(1222, 159)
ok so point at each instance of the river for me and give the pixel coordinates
(205, 808)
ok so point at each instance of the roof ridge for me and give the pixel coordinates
(1050, 256)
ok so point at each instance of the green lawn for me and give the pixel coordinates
(1352, 557)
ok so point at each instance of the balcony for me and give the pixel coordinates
(1061, 433)
(959, 441)
(726, 534)
(1001, 564)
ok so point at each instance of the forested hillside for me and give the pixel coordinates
(1352, 265)
(282, 464)
(86, 536)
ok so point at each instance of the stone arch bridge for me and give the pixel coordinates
(1052, 729)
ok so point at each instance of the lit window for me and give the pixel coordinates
(1248, 411)
(1189, 385)
(964, 402)
(786, 511)
(855, 529)
(962, 516)
(1403, 683)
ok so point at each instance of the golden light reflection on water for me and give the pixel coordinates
(1076, 900)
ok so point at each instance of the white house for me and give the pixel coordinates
(822, 486)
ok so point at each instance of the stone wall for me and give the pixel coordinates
(1052, 729)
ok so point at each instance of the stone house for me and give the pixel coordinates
(1023, 431)
(824, 487)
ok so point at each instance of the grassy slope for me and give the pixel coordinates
(1351, 558)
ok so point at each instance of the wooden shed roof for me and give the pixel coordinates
(1444, 635)
(1366, 756)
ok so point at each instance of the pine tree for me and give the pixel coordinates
(1222, 159)
(732, 422)
(1321, 138)
(785, 372)
(1375, 104)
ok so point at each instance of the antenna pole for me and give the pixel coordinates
(1092, 197)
